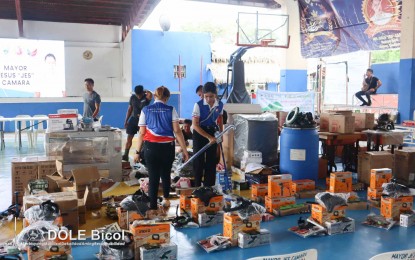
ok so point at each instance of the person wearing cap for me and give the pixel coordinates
(207, 119)
(159, 127)
(137, 102)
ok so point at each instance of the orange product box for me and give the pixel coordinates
(259, 190)
(302, 185)
(340, 182)
(198, 206)
(42, 252)
(233, 225)
(393, 207)
(122, 214)
(280, 185)
(276, 203)
(185, 204)
(153, 234)
(379, 177)
(374, 194)
(321, 215)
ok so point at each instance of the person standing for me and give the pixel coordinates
(92, 100)
(159, 124)
(137, 102)
(207, 119)
(370, 86)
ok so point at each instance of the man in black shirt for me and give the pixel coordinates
(138, 101)
(370, 86)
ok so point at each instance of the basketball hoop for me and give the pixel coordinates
(266, 42)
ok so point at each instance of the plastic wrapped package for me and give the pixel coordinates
(139, 202)
(396, 190)
(331, 200)
(256, 133)
(36, 234)
(243, 207)
(118, 247)
(186, 171)
(116, 150)
(47, 211)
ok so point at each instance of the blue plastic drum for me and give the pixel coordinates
(299, 153)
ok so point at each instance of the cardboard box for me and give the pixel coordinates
(364, 121)
(198, 206)
(23, 171)
(62, 123)
(210, 219)
(373, 160)
(233, 225)
(374, 194)
(379, 177)
(280, 185)
(56, 182)
(63, 169)
(302, 185)
(259, 190)
(166, 251)
(276, 203)
(340, 182)
(254, 239)
(391, 208)
(405, 164)
(324, 122)
(46, 166)
(341, 124)
(185, 203)
(340, 227)
(321, 215)
(153, 234)
(227, 144)
(125, 218)
(67, 202)
(407, 220)
(88, 177)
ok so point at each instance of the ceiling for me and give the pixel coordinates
(125, 13)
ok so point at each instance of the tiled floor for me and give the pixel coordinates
(363, 244)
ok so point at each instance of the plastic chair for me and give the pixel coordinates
(38, 128)
(23, 124)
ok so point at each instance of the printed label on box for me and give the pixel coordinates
(297, 154)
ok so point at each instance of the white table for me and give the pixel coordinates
(19, 120)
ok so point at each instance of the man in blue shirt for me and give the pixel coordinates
(92, 100)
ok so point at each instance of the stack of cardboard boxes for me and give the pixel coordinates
(233, 225)
(373, 160)
(207, 215)
(152, 241)
(377, 178)
(279, 192)
(303, 187)
(345, 122)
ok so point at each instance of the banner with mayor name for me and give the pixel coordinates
(271, 101)
(331, 27)
(32, 68)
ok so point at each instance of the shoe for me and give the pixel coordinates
(369, 104)
(125, 158)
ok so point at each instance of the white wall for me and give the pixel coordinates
(110, 55)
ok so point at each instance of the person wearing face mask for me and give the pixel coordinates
(207, 119)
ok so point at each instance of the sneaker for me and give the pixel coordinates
(125, 158)
(165, 203)
(369, 104)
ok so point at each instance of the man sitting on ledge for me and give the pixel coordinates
(370, 86)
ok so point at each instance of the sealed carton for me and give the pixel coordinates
(340, 182)
(364, 121)
(62, 122)
(278, 202)
(380, 176)
(185, 204)
(407, 220)
(373, 160)
(152, 234)
(280, 185)
(303, 185)
(321, 215)
(334, 227)
(341, 124)
(23, 171)
(125, 218)
(391, 208)
(259, 190)
(166, 251)
(233, 225)
(405, 164)
(254, 238)
(210, 219)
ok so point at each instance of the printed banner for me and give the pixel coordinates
(335, 27)
(285, 101)
(32, 68)
(310, 254)
(402, 255)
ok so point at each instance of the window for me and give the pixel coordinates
(179, 71)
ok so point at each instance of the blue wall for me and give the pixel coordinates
(154, 55)
(293, 81)
(388, 73)
(113, 112)
(406, 92)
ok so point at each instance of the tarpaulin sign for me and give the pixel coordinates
(335, 27)
(310, 254)
(271, 101)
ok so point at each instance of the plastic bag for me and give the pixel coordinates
(395, 190)
(36, 234)
(331, 200)
(117, 249)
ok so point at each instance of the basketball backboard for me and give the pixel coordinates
(262, 30)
